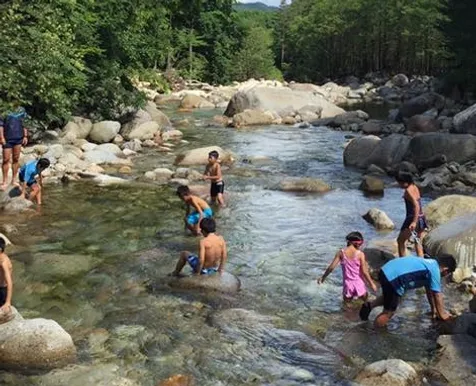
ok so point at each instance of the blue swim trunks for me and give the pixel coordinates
(192, 218)
(194, 262)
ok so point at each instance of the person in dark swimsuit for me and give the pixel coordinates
(12, 136)
(415, 221)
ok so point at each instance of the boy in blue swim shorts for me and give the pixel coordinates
(212, 256)
(201, 209)
(28, 178)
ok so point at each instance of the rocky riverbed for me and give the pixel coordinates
(95, 257)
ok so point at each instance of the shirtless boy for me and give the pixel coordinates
(213, 174)
(6, 282)
(212, 256)
(200, 207)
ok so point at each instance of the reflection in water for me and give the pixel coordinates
(278, 244)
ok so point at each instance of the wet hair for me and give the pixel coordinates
(213, 154)
(3, 244)
(43, 163)
(355, 238)
(447, 261)
(183, 191)
(208, 225)
(404, 178)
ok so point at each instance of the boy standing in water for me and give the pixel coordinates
(28, 178)
(213, 174)
(200, 206)
(212, 253)
(400, 275)
(415, 219)
(6, 282)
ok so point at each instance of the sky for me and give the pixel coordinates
(268, 2)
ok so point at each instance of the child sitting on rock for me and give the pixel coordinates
(6, 282)
(200, 206)
(354, 269)
(30, 176)
(212, 254)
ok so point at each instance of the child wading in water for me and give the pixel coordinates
(200, 207)
(414, 219)
(354, 269)
(213, 174)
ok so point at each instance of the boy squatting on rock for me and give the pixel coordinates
(28, 178)
(6, 282)
(212, 254)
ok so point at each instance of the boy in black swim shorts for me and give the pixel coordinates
(213, 174)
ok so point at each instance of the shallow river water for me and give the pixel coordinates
(88, 258)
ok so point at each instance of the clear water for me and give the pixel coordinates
(112, 242)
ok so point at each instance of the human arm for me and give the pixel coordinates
(2, 134)
(364, 267)
(201, 258)
(25, 137)
(224, 258)
(9, 282)
(439, 306)
(330, 268)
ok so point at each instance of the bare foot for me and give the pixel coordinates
(3, 187)
(16, 184)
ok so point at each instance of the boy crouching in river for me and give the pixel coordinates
(212, 254)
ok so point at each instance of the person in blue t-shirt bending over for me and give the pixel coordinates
(28, 178)
(12, 136)
(405, 273)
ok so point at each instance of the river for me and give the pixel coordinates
(112, 242)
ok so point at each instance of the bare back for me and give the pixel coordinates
(215, 250)
(199, 202)
(5, 263)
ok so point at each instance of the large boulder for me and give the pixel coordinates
(34, 344)
(400, 80)
(107, 153)
(281, 100)
(253, 118)
(200, 156)
(379, 219)
(389, 152)
(144, 131)
(465, 121)
(158, 116)
(191, 101)
(227, 283)
(458, 238)
(390, 372)
(305, 185)
(446, 208)
(54, 267)
(77, 128)
(141, 118)
(356, 153)
(105, 131)
(423, 124)
(420, 104)
(426, 148)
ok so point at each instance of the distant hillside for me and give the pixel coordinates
(254, 7)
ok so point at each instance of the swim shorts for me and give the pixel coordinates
(420, 225)
(11, 143)
(217, 188)
(390, 296)
(193, 218)
(194, 262)
(3, 295)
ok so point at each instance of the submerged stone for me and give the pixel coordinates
(227, 282)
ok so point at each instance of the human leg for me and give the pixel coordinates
(36, 193)
(182, 261)
(16, 151)
(404, 235)
(7, 155)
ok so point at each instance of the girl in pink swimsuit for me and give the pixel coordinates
(355, 271)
